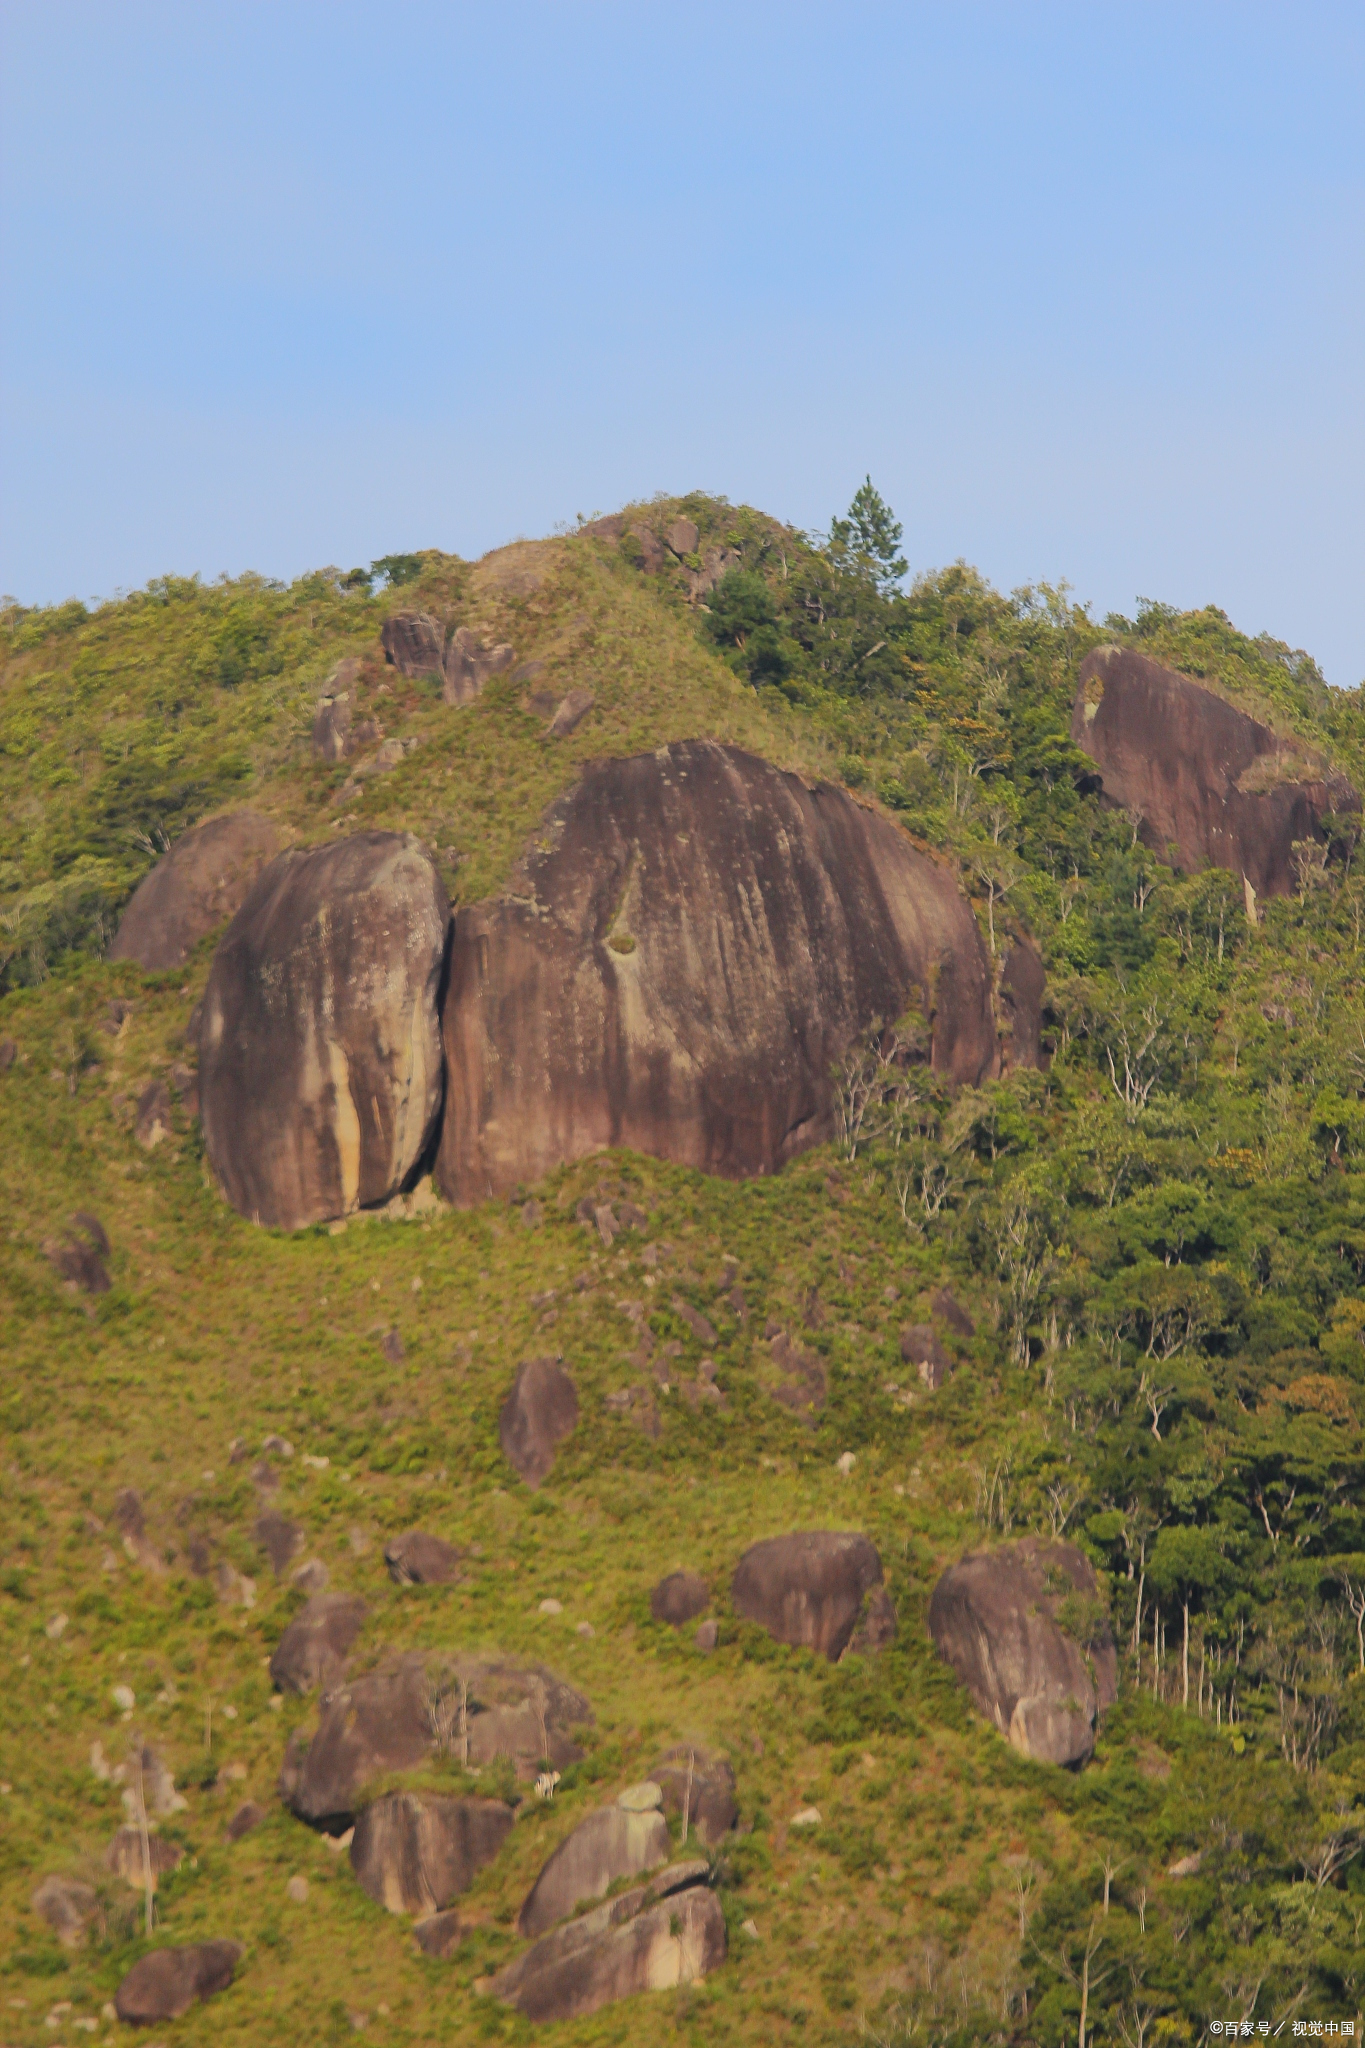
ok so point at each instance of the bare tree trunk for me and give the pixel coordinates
(1185, 1661)
(142, 1834)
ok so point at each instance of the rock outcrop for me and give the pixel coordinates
(618, 1841)
(68, 1906)
(698, 1787)
(414, 1853)
(537, 1415)
(691, 943)
(167, 1982)
(628, 1945)
(995, 1618)
(417, 1558)
(1214, 787)
(313, 1650)
(392, 1720)
(416, 645)
(319, 1053)
(808, 1588)
(198, 885)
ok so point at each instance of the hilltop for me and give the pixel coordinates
(1106, 1290)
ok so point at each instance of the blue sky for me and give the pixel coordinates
(1081, 286)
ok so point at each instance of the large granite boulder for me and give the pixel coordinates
(650, 1938)
(413, 643)
(199, 884)
(691, 943)
(414, 1853)
(313, 1650)
(319, 1051)
(1024, 1630)
(166, 1983)
(617, 1841)
(396, 1718)
(537, 1415)
(1214, 786)
(808, 1588)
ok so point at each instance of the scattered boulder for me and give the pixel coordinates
(279, 1538)
(413, 643)
(921, 1348)
(333, 739)
(419, 1559)
(153, 1120)
(949, 1310)
(994, 1617)
(1206, 784)
(537, 1415)
(570, 713)
(697, 1783)
(803, 1383)
(81, 1257)
(628, 1945)
(468, 664)
(680, 1598)
(439, 1935)
(392, 1720)
(1186, 1866)
(124, 1858)
(167, 1982)
(9, 1053)
(68, 1906)
(617, 1841)
(320, 1058)
(707, 1636)
(807, 1588)
(248, 1816)
(199, 884)
(624, 990)
(415, 1853)
(313, 1649)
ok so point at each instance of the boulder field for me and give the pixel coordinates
(1214, 786)
(684, 954)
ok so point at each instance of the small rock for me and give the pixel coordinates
(1187, 1866)
(313, 1462)
(551, 1607)
(570, 713)
(277, 1447)
(68, 1906)
(845, 1463)
(393, 1347)
(9, 1053)
(585, 1628)
(808, 1817)
(532, 1215)
(297, 1889)
(153, 1121)
(124, 1698)
(281, 1540)
(707, 1636)
(312, 1576)
(358, 1541)
(679, 1598)
(750, 1928)
(439, 1935)
(56, 1628)
(234, 1588)
(248, 1816)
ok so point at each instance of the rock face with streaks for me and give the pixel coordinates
(1214, 787)
(650, 1938)
(414, 1853)
(537, 1415)
(808, 1588)
(617, 1841)
(199, 884)
(319, 1050)
(1024, 1630)
(314, 1648)
(691, 943)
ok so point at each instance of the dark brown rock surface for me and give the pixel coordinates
(701, 1784)
(1211, 782)
(680, 1598)
(414, 1853)
(993, 1618)
(467, 665)
(692, 942)
(166, 1983)
(807, 1588)
(319, 1051)
(417, 1558)
(1023, 985)
(537, 1415)
(413, 643)
(921, 1348)
(199, 884)
(313, 1649)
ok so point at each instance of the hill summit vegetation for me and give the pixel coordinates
(1155, 1237)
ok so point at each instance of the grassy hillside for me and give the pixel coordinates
(1168, 1366)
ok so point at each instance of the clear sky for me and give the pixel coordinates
(1081, 286)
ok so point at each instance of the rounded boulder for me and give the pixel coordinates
(198, 885)
(807, 1589)
(319, 1052)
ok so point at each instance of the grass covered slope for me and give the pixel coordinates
(1161, 1240)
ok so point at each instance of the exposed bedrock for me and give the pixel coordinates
(199, 884)
(1024, 1630)
(319, 1049)
(693, 940)
(1214, 786)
